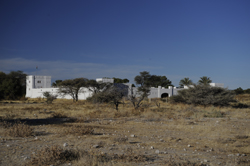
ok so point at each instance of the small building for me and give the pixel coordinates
(37, 85)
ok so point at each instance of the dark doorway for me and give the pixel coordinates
(164, 95)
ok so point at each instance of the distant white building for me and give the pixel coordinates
(36, 85)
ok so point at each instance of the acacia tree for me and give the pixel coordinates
(97, 87)
(205, 80)
(185, 81)
(112, 94)
(72, 87)
(142, 81)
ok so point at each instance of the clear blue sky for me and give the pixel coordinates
(120, 38)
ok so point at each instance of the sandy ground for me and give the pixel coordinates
(211, 141)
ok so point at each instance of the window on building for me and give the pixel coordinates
(39, 81)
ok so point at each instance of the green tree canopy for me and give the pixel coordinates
(72, 87)
(239, 91)
(12, 85)
(143, 82)
(155, 81)
(119, 80)
(56, 83)
(205, 80)
(113, 94)
(204, 95)
(97, 87)
(185, 81)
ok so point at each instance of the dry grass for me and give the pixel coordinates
(53, 155)
(78, 130)
(18, 129)
(210, 131)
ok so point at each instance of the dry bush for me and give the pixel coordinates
(158, 109)
(10, 116)
(31, 109)
(78, 130)
(213, 114)
(59, 115)
(18, 130)
(121, 114)
(156, 101)
(137, 112)
(53, 155)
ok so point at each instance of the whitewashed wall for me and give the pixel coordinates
(35, 89)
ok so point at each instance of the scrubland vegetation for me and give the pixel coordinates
(33, 132)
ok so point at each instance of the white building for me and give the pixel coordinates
(36, 85)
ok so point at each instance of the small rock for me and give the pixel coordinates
(243, 155)
(96, 146)
(189, 145)
(205, 161)
(132, 135)
(157, 151)
(25, 158)
(237, 154)
(151, 147)
(184, 149)
(65, 144)
(161, 140)
(8, 145)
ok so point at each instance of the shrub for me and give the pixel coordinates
(204, 95)
(59, 115)
(49, 97)
(18, 130)
(111, 95)
(53, 155)
(78, 130)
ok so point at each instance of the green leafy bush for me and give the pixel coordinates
(204, 95)
(49, 97)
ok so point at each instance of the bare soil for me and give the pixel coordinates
(159, 138)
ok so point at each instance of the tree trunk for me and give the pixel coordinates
(116, 106)
(76, 97)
